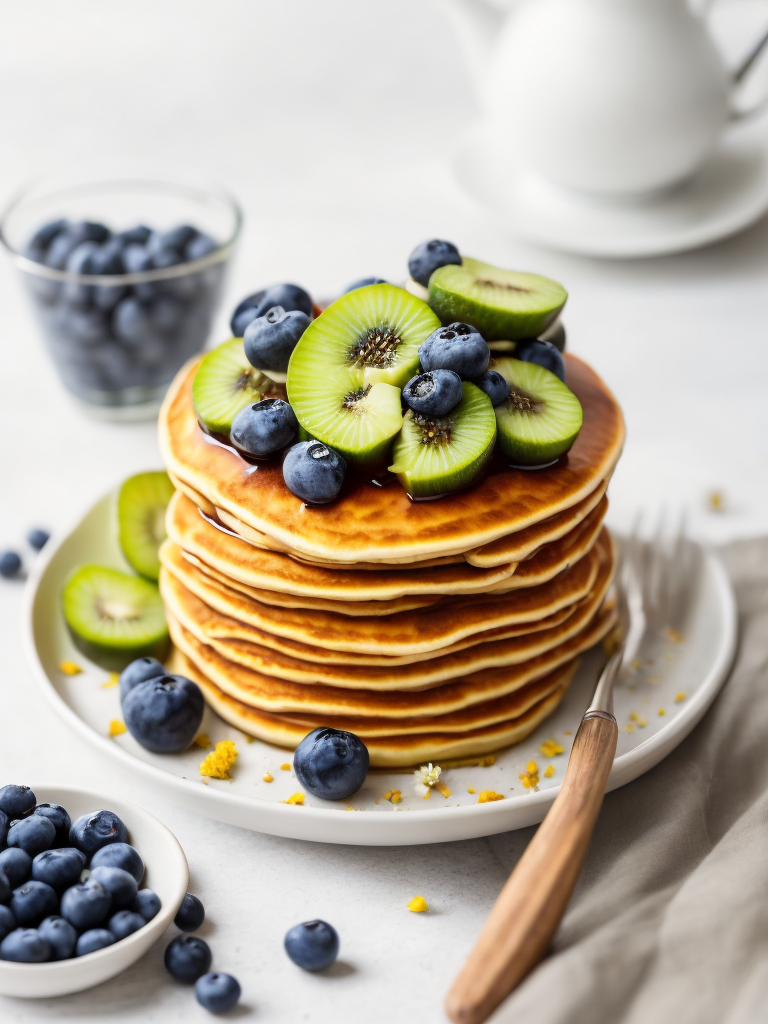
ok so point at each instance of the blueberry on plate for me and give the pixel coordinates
(364, 282)
(92, 940)
(125, 923)
(289, 296)
(264, 428)
(17, 865)
(457, 347)
(314, 472)
(187, 958)
(120, 885)
(427, 257)
(120, 855)
(5, 887)
(139, 671)
(164, 714)
(313, 945)
(92, 831)
(33, 901)
(191, 914)
(60, 936)
(433, 393)
(7, 921)
(33, 834)
(217, 992)
(331, 764)
(543, 353)
(86, 905)
(25, 946)
(146, 903)
(494, 385)
(59, 818)
(59, 868)
(10, 565)
(270, 339)
(244, 313)
(37, 538)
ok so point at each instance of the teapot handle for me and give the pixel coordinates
(703, 8)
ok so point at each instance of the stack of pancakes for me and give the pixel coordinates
(432, 630)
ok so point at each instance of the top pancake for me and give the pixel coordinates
(373, 523)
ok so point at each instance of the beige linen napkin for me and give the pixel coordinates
(669, 921)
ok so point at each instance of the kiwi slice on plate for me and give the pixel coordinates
(141, 504)
(503, 305)
(432, 457)
(540, 419)
(345, 374)
(225, 383)
(114, 617)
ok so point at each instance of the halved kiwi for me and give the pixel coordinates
(225, 382)
(113, 617)
(540, 419)
(501, 304)
(141, 504)
(432, 457)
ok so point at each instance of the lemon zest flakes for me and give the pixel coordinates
(487, 796)
(113, 680)
(69, 668)
(418, 905)
(638, 720)
(679, 697)
(443, 790)
(218, 763)
(530, 777)
(202, 740)
(550, 748)
(116, 727)
(286, 767)
(630, 727)
(426, 777)
(266, 777)
(394, 796)
(549, 771)
(470, 789)
(662, 712)
(296, 798)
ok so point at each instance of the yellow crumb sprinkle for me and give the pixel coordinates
(567, 733)
(471, 790)
(113, 680)
(69, 668)
(266, 777)
(116, 727)
(630, 727)
(217, 764)
(678, 697)
(487, 796)
(550, 748)
(639, 721)
(394, 796)
(549, 771)
(418, 905)
(202, 740)
(673, 636)
(530, 777)
(443, 789)
(285, 767)
(295, 798)
(662, 712)
(487, 761)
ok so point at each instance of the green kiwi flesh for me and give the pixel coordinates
(225, 382)
(141, 504)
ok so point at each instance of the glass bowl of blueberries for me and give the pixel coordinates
(125, 270)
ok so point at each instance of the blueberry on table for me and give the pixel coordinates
(427, 257)
(125, 923)
(264, 428)
(10, 565)
(86, 905)
(59, 868)
(494, 385)
(313, 945)
(120, 885)
(33, 834)
(270, 339)
(458, 347)
(433, 393)
(164, 713)
(120, 855)
(363, 283)
(146, 903)
(92, 940)
(92, 831)
(314, 472)
(25, 946)
(543, 353)
(139, 671)
(7, 921)
(33, 901)
(59, 818)
(187, 958)
(191, 914)
(5, 889)
(60, 936)
(217, 992)
(17, 865)
(37, 538)
(331, 764)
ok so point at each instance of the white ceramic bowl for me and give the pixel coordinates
(167, 874)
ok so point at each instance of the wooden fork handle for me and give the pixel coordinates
(531, 904)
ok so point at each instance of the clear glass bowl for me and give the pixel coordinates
(118, 339)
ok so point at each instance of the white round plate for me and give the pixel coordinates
(729, 193)
(167, 874)
(695, 667)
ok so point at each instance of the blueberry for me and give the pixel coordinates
(7, 921)
(99, 828)
(314, 472)
(125, 923)
(457, 347)
(92, 940)
(191, 914)
(433, 393)
(59, 868)
(289, 296)
(42, 238)
(139, 671)
(88, 327)
(33, 834)
(494, 385)
(86, 904)
(120, 885)
(363, 283)
(59, 818)
(165, 313)
(37, 538)
(25, 946)
(187, 958)
(10, 565)
(89, 231)
(60, 248)
(164, 714)
(33, 901)
(120, 855)
(270, 339)
(427, 257)
(217, 992)
(60, 936)
(312, 945)
(244, 313)
(264, 428)
(146, 903)
(5, 824)
(5, 887)
(81, 260)
(130, 321)
(107, 296)
(165, 257)
(178, 238)
(139, 234)
(331, 764)
(108, 258)
(136, 258)
(543, 353)
(200, 247)
(17, 865)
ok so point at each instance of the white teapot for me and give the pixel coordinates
(616, 97)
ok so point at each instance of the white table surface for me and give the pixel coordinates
(316, 116)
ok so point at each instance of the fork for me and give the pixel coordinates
(528, 911)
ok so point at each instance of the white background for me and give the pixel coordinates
(333, 122)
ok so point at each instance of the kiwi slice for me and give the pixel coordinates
(225, 383)
(114, 617)
(345, 373)
(141, 504)
(540, 419)
(503, 305)
(432, 457)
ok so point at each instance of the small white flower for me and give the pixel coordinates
(426, 777)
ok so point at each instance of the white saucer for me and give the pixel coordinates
(729, 193)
